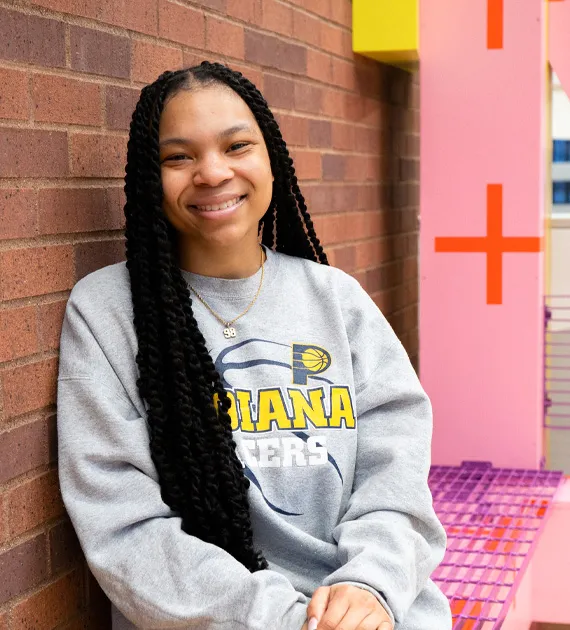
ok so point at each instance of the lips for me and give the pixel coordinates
(221, 206)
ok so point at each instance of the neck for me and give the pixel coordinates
(221, 262)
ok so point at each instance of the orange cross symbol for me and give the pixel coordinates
(494, 244)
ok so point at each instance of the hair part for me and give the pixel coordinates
(177, 377)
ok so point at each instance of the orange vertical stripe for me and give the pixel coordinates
(495, 18)
(494, 234)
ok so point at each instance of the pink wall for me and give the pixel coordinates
(482, 113)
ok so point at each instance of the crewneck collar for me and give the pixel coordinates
(236, 288)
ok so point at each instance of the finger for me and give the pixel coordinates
(374, 621)
(318, 603)
(356, 617)
(336, 610)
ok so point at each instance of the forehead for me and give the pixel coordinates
(204, 112)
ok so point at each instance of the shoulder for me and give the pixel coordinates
(330, 280)
(108, 287)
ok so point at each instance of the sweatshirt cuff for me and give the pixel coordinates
(379, 596)
(296, 618)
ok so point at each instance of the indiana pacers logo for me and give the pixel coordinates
(308, 361)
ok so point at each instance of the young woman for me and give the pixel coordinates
(243, 442)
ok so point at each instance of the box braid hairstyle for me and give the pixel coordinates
(187, 406)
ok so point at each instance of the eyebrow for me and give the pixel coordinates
(221, 136)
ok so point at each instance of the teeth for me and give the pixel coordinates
(222, 206)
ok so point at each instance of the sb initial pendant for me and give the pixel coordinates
(229, 332)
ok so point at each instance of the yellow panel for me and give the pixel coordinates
(386, 30)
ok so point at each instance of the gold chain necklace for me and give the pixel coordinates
(229, 329)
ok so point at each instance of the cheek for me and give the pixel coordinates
(172, 184)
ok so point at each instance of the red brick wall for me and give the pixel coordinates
(68, 82)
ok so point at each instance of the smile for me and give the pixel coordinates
(223, 206)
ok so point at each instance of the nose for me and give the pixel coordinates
(212, 170)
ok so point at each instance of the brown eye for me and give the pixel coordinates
(175, 158)
(238, 145)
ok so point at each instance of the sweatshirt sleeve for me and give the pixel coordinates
(157, 575)
(389, 539)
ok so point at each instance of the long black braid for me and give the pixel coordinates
(177, 377)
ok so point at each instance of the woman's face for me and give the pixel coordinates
(216, 174)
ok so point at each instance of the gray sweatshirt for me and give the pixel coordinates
(331, 425)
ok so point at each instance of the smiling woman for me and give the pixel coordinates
(275, 475)
(216, 180)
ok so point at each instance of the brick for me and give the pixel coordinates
(368, 140)
(225, 38)
(181, 24)
(334, 104)
(294, 129)
(50, 321)
(100, 53)
(29, 387)
(23, 567)
(116, 203)
(319, 66)
(319, 133)
(307, 164)
(52, 437)
(343, 137)
(14, 96)
(308, 98)
(249, 11)
(320, 7)
(279, 92)
(120, 104)
(332, 38)
(356, 168)
(35, 271)
(217, 5)
(3, 524)
(68, 210)
(18, 333)
(94, 155)
(51, 606)
(18, 213)
(277, 17)
(135, 15)
(191, 59)
(23, 449)
(307, 28)
(64, 547)
(267, 50)
(344, 74)
(254, 75)
(372, 253)
(345, 258)
(341, 12)
(22, 147)
(92, 256)
(34, 502)
(57, 99)
(32, 39)
(334, 167)
(150, 60)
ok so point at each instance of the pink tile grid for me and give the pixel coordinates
(493, 518)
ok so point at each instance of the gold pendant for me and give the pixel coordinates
(229, 332)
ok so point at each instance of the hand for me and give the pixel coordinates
(346, 607)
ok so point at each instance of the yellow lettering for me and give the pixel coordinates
(244, 405)
(271, 408)
(311, 410)
(341, 408)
